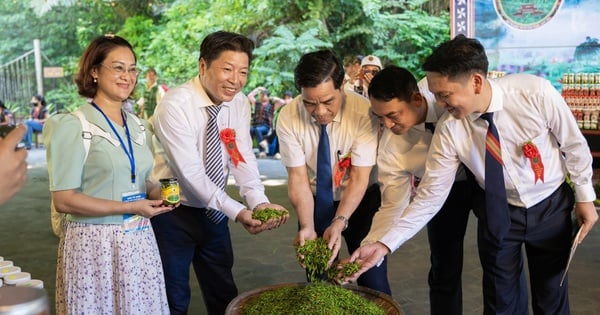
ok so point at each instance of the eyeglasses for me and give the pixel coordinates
(372, 72)
(120, 69)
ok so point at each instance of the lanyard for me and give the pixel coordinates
(128, 153)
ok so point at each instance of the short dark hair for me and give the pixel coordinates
(393, 82)
(40, 99)
(457, 57)
(317, 67)
(91, 59)
(215, 43)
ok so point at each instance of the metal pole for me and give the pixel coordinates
(38, 66)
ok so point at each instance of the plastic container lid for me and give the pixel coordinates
(16, 278)
(33, 283)
(23, 301)
(6, 263)
(4, 272)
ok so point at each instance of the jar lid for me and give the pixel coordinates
(9, 271)
(167, 180)
(6, 263)
(33, 283)
(23, 300)
(17, 277)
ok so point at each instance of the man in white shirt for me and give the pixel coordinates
(323, 108)
(540, 144)
(197, 231)
(407, 111)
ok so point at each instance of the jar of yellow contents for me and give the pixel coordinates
(169, 189)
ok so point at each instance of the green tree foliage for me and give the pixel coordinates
(275, 59)
(64, 29)
(166, 34)
(405, 34)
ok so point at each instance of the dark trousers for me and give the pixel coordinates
(359, 225)
(545, 230)
(259, 132)
(273, 142)
(446, 232)
(187, 236)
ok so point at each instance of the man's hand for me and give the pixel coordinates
(275, 223)
(587, 216)
(302, 236)
(333, 236)
(13, 164)
(367, 256)
(254, 226)
(368, 76)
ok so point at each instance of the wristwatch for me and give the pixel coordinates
(343, 218)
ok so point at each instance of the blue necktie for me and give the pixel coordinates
(496, 203)
(214, 159)
(324, 209)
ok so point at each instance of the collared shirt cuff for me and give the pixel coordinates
(585, 193)
(255, 199)
(366, 241)
(391, 242)
(232, 208)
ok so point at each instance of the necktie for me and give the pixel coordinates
(324, 209)
(430, 126)
(213, 158)
(496, 204)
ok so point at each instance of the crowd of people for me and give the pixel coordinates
(373, 155)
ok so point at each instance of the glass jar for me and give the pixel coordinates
(169, 190)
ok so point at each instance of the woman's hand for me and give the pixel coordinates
(150, 208)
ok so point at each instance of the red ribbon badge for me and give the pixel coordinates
(533, 154)
(342, 166)
(228, 137)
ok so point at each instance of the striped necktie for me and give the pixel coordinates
(324, 209)
(496, 203)
(214, 159)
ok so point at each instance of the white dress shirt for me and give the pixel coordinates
(526, 108)
(180, 126)
(353, 130)
(399, 158)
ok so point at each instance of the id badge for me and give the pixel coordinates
(134, 222)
